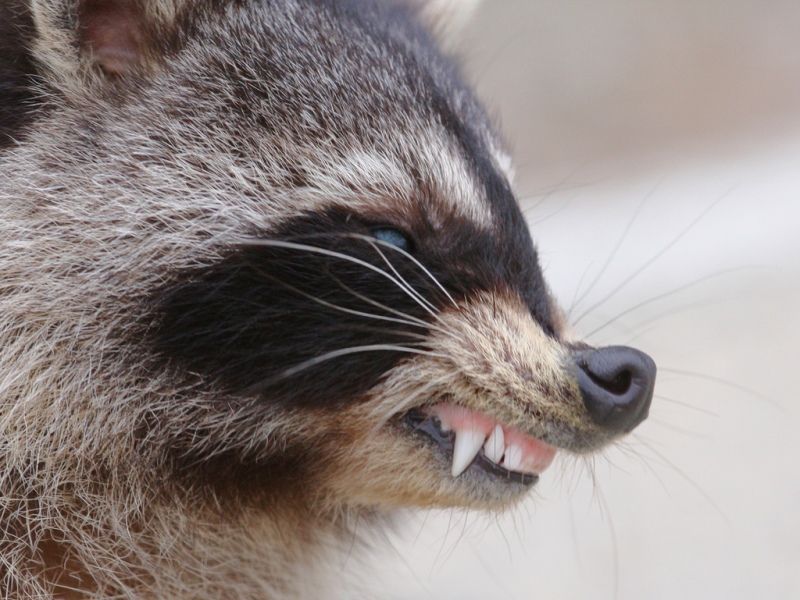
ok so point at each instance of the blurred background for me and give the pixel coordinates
(657, 147)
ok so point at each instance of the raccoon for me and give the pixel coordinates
(263, 282)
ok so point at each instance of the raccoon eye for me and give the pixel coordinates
(393, 237)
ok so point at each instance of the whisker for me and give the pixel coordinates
(544, 194)
(655, 257)
(553, 213)
(498, 52)
(420, 337)
(340, 255)
(409, 289)
(632, 452)
(312, 362)
(681, 430)
(621, 239)
(375, 241)
(406, 286)
(687, 405)
(377, 304)
(666, 462)
(574, 302)
(386, 410)
(647, 326)
(408, 321)
(726, 383)
(673, 292)
(606, 512)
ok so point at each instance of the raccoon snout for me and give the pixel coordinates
(616, 385)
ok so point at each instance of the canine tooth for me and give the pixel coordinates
(468, 444)
(495, 445)
(513, 458)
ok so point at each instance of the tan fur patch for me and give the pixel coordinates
(487, 355)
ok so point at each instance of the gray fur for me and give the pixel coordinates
(239, 116)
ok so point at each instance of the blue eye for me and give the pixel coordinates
(393, 237)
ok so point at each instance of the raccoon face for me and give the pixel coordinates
(331, 279)
(393, 306)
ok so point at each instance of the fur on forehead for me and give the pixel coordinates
(374, 169)
(78, 40)
(379, 183)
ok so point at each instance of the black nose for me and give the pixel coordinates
(617, 385)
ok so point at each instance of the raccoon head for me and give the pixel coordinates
(284, 233)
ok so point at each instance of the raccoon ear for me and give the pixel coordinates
(447, 17)
(76, 40)
(111, 33)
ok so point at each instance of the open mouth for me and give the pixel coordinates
(474, 440)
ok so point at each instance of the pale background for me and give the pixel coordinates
(657, 146)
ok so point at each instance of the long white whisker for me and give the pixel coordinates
(391, 407)
(400, 313)
(312, 362)
(649, 301)
(618, 245)
(334, 254)
(653, 258)
(408, 288)
(419, 338)
(412, 259)
(408, 321)
(669, 464)
(725, 382)
(688, 405)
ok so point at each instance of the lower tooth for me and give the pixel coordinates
(493, 449)
(513, 458)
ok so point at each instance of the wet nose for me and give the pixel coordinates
(617, 385)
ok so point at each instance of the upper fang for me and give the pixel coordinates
(468, 444)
